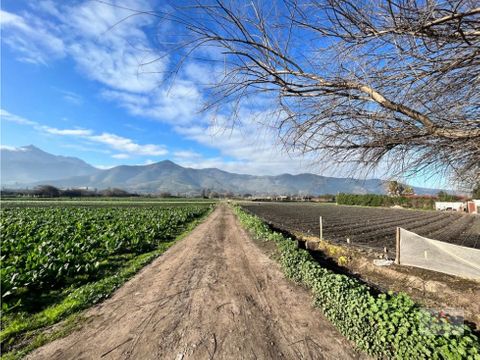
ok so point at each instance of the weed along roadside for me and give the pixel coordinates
(388, 325)
(23, 332)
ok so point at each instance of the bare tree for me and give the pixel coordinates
(46, 191)
(476, 191)
(363, 82)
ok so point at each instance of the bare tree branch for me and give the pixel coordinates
(353, 81)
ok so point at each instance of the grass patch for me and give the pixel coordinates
(386, 326)
(22, 333)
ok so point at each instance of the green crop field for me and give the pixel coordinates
(58, 255)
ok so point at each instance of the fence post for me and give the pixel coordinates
(321, 228)
(397, 257)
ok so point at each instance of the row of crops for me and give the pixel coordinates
(48, 248)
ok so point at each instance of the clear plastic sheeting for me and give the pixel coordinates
(418, 251)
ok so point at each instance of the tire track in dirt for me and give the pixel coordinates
(214, 295)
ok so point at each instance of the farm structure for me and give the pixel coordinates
(470, 206)
(449, 205)
(369, 227)
(473, 206)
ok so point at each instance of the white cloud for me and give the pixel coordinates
(34, 39)
(134, 127)
(201, 73)
(186, 154)
(109, 45)
(120, 156)
(241, 141)
(5, 115)
(113, 141)
(72, 97)
(177, 104)
(48, 6)
(67, 132)
(118, 67)
(85, 148)
(11, 148)
(246, 147)
(104, 167)
(124, 144)
(9, 19)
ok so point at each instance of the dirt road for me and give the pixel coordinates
(214, 295)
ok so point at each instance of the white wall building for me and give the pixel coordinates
(449, 205)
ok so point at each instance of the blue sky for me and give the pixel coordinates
(73, 85)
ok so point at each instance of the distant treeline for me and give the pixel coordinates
(415, 202)
(49, 191)
(409, 201)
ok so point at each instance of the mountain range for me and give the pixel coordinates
(29, 166)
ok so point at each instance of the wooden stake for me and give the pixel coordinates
(397, 257)
(321, 228)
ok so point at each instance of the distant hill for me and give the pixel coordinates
(32, 166)
(166, 176)
(29, 164)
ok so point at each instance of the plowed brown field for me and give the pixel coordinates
(369, 227)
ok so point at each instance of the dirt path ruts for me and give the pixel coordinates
(214, 295)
